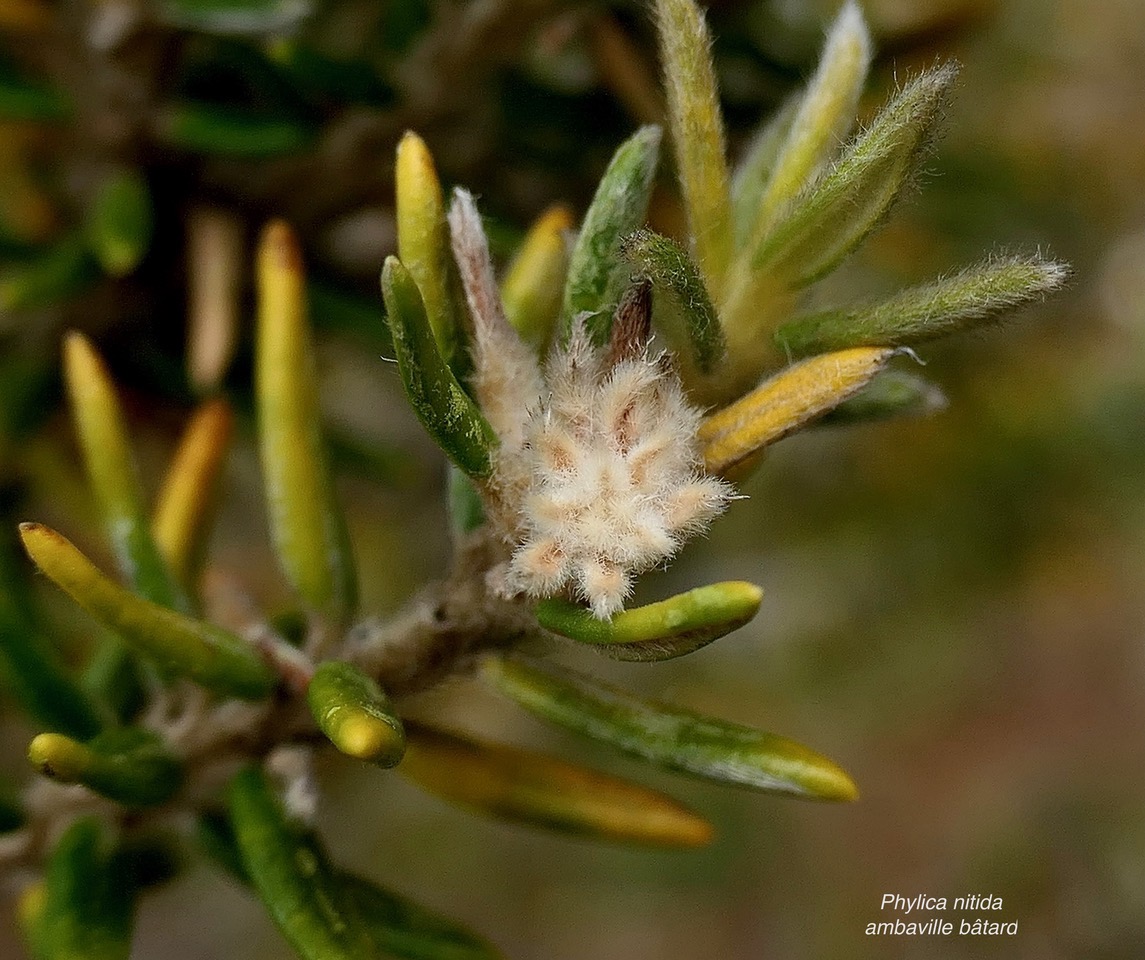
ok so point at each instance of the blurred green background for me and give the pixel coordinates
(954, 606)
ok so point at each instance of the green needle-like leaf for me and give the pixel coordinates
(658, 631)
(466, 511)
(86, 912)
(119, 223)
(40, 681)
(112, 474)
(893, 393)
(968, 298)
(207, 654)
(306, 521)
(397, 926)
(677, 285)
(289, 871)
(129, 765)
(440, 402)
(531, 290)
(596, 269)
(208, 129)
(753, 172)
(697, 132)
(355, 713)
(836, 213)
(668, 736)
(824, 114)
(542, 791)
(423, 238)
(181, 521)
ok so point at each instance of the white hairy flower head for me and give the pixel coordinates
(598, 475)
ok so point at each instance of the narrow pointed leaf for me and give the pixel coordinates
(207, 654)
(697, 132)
(526, 787)
(114, 677)
(531, 290)
(112, 474)
(755, 167)
(129, 765)
(397, 926)
(967, 299)
(87, 905)
(209, 129)
(40, 681)
(678, 286)
(825, 113)
(404, 929)
(289, 870)
(355, 713)
(657, 631)
(181, 523)
(306, 521)
(786, 402)
(893, 393)
(668, 736)
(423, 238)
(119, 223)
(824, 224)
(440, 402)
(596, 267)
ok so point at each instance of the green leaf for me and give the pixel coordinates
(755, 167)
(824, 114)
(115, 677)
(677, 284)
(234, 17)
(88, 903)
(396, 925)
(407, 930)
(207, 654)
(824, 224)
(668, 736)
(541, 791)
(423, 239)
(58, 273)
(355, 714)
(893, 393)
(658, 631)
(226, 131)
(113, 476)
(697, 134)
(40, 681)
(181, 521)
(531, 290)
(306, 521)
(129, 765)
(617, 209)
(440, 402)
(967, 299)
(119, 223)
(290, 873)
